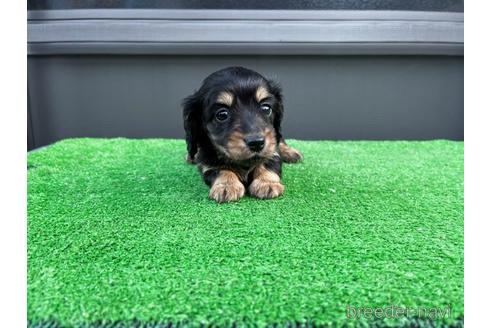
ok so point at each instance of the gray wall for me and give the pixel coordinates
(347, 74)
(326, 97)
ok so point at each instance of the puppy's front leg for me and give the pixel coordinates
(266, 183)
(288, 154)
(226, 187)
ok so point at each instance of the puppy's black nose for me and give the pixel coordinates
(255, 143)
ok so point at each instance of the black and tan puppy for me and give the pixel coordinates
(232, 126)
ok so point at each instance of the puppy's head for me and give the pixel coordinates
(238, 112)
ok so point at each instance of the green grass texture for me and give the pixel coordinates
(122, 233)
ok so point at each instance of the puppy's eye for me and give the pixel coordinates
(267, 109)
(222, 115)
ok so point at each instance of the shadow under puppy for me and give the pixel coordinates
(232, 126)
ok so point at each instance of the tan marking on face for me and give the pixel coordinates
(289, 154)
(261, 93)
(225, 98)
(270, 144)
(266, 184)
(227, 187)
(236, 147)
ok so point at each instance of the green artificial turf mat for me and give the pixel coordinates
(121, 232)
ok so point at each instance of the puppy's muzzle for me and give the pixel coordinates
(255, 143)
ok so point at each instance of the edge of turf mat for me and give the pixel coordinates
(84, 194)
(409, 323)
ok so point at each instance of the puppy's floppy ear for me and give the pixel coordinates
(192, 114)
(278, 112)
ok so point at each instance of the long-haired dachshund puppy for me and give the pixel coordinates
(232, 126)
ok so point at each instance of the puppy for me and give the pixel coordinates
(232, 126)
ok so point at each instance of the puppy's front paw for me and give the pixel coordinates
(226, 188)
(265, 189)
(289, 154)
(223, 193)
